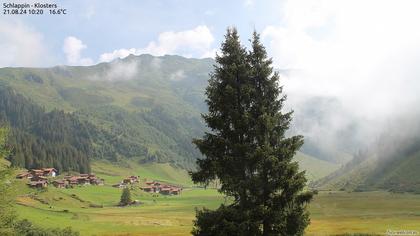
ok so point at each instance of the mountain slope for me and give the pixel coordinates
(142, 108)
(391, 164)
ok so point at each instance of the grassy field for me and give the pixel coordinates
(315, 168)
(92, 210)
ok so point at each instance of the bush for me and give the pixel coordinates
(25, 228)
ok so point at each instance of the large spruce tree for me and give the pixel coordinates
(247, 149)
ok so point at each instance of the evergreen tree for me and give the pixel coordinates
(247, 150)
(125, 197)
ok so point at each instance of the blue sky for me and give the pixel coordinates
(105, 26)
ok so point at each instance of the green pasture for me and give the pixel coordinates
(93, 210)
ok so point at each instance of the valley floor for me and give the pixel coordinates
(92, 210)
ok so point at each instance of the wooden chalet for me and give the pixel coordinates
(157, 187)
(38, 178)
(36, 172)
(38, 184)
(50, 172)
(176, 191)
(72, 181)
(46, 172)
(24, 175)
(59, 183)
(148, 189)
(165, 191)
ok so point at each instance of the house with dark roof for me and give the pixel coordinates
(59, 183)
(38, 184)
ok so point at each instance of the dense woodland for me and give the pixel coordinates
(41, 139)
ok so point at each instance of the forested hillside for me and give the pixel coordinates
(40, 138)
(143, 108)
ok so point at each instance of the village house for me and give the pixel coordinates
(126, 181)
(82, 179)
(38, 184)
(96, 181)
(148, 189)
(166, 189)
(25, 175)
(49, 172)
(45, 172)
(59, 183)
(36, 172)
(176, 191)
(72, 181)
(38, 178)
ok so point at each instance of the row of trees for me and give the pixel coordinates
(246, 149)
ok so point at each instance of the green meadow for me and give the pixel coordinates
(93, 210)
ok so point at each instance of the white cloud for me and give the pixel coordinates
(249, 3)
(156, 63)
(73, 48)
(211, 53)
(21, 45)
(120, 53)
(177, 76)
(362, 52)
(117, 71)
(122, 70)
(195, 42)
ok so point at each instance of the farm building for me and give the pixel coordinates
(45, 172)
(25, 175)
(38, 184)
(59, 183)
(126, 181)
(157, 187)
(83, 179)
(49, 172)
